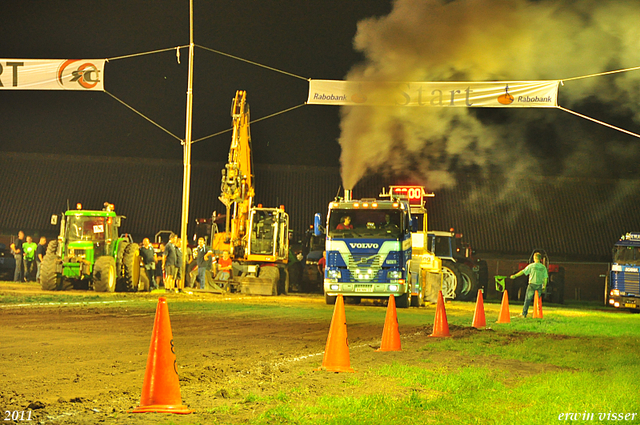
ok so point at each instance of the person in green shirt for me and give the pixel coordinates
(538, 278)
(29, 248)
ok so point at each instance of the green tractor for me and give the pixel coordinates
(89, 253)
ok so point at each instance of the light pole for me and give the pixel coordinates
(186, 179)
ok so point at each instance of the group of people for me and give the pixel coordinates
(163, 268)
(28, 256)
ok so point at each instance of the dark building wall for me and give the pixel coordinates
(573, 218)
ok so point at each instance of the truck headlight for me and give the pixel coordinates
(394, 274)
(615, 292)
(334, 287)
(393, 288)
(333, 274)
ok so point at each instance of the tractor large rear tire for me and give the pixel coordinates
(129, 280)
(104, 274)
(49, 279)
(469, 283)
(451, 280)
(52, 248)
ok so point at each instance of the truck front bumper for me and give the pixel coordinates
(372, 290)
(622, 301)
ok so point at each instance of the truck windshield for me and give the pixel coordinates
(366, 224)
(629, 255)
(81, 228)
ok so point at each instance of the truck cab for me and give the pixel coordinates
(368, 249)
(622, 286)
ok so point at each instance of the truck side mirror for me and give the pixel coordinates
(118, 221)
(318, 228)
(54, 219)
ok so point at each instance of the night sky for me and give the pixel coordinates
(309, 39)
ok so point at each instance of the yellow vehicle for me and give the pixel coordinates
(255, 237)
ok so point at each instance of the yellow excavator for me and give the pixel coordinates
(255, 237)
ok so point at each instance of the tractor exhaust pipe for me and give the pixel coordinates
(347, 194)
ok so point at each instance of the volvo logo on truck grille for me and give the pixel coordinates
(364, 245)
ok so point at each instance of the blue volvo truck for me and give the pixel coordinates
(369, 248)
(622, 287)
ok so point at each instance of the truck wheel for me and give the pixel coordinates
(404, 300)
(49, 279)
(469, 283)
(330, 299)
(451, 286)
(104, 274)
(129, 278)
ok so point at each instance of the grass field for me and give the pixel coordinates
(580, 364)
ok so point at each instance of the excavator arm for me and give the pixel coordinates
(237, 190)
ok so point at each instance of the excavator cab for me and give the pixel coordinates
(269, 234)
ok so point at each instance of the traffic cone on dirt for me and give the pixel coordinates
(536, 306)
(390, 333)
(440, 324)
(336, 353)
(504, 309)
(540, 307)
(479, 320)
(160, 388)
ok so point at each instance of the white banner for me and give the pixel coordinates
(500, 94)
(52, 74)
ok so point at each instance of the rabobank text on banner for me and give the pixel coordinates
(500, 94)
(52, 74)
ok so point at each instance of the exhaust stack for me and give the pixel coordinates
(347, 194)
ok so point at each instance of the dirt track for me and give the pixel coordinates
(84, 364)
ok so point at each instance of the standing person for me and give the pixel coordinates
(170, 263)
(29, 248)
(16, 250)
(149, 260)
(179, 280)
(188, 266)
(159, 269)
(538, 277)
(224, 267)
(202, 255)
(322, 263)
(41, 251)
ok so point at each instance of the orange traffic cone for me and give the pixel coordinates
(536, 310)
(540, 307)
(440, 324)
(479, 320)
(504, 309)
(336, 353)
(160, 388)
(390, 333)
